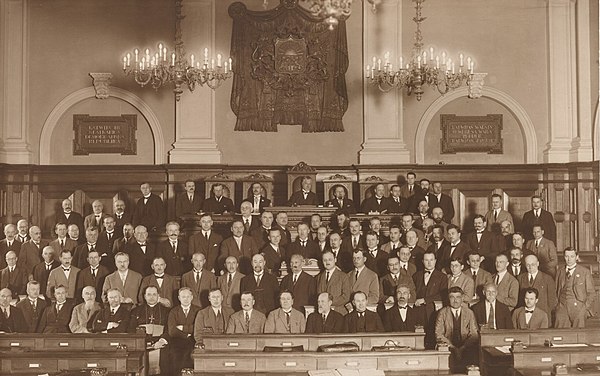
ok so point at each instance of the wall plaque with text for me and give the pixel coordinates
(104, 134)
(480, 134)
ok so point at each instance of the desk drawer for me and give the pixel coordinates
(34, 366)
(109, 364)
(585, 357)
(224, 343)
(17, 342)
(286, 364)
(282, 342)
(108, 344)
(539, 360)
(226, 365)
(538, 338)
(70, 344)
(350, 360)
(406, 361)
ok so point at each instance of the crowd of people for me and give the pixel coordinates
(253, 279)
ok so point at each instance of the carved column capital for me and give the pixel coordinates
(101, 83)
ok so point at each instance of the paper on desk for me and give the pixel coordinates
(568, 345)
(595, 344)
(503, 349)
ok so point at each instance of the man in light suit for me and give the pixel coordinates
(174, 251)
(188, 202)
(536, 216)
(181, 329)
(508, 286)
(214, 318)
(480, 276)
(496, 215)
(575, 291)
(31, 251)
(149, 210)
(84, 311)
(394, 244)
(491, 312)
(305, 196)
(240, 246)
(62, 241)
(166, 284)
(401, 317)
(248, 320)
(199, 280)
(324, 319)
(340, 201)
(9, 243)
(457, 278)
(126, 281)
(217, 203)
(542, 282)
(96, 219)
(444, 202)
(207, 242)
(456, 325)
(93, 276)
(285, 319)
(544, 249)
(262, 284)
(409, 189)
(332, 281)
(229, 284)
(257, 200)
(362, 278)
(362, 320)
(113, 318)
(64, 275)
(68, 216)
(529, 317)
(32, 306)
(13, 277)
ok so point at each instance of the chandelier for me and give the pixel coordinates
(443, 73)
(161, 67)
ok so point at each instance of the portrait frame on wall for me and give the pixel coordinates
(104, 134)
(471, 134)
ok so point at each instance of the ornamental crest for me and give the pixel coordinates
(290, 55)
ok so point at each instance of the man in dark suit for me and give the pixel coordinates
(68, 216)
(443, 201)
(305, 196)
(397, 203)
(430, 284)
(80, 253)
(401, 317)
(491, 312)
(261, 233)
(56, 316)
(412, 241)
(258, 201)
(141, 252)
(274, 254)
(281, 221)
(11, 318)
(423, 213)
(62, 240)
(324, 319)
(166, 284)
(96, 219)
(113, 318)
(13, 277)
(354, 240)
(207, 242)
(180, 326)
(149, 210)
(249, 220)
(217, 203)
(304, 245)
(74, 232)
(9, 243)
(302, 285)
(536, 216)
(188, 202)
(456, 248)
(362, 320)
(485, 242)
(23, 231)
(121, 217)
(41, 271)
(340, 201)
(516, 267)
(263, 285)
(377, 203)
(174, 251)
(199, 280)
(212, 319)
(342, 255)
(332, 281)
(93, 275)
(240, 246)
(31, 251)
(127, 238)
(32, 306)
(388, 283)
(376, 258)
(423, 194)
(409, 189)
(542, 282)
(106, 242)
(439, 245)
(229, 284)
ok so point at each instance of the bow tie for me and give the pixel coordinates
(67, 270)
(528, 311)
(159, 276)
(428, 271)
(405, 307)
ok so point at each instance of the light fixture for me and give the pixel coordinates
(161, 68)
(443, 73)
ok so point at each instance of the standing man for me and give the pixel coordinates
(166, 284)
(141, 252)
(30, 253)
(273, 253)
(388, 283)
(300, 284)
(545, 286)
(457, 247)
(41, 271)
(126, 281)
(429, 284)
(304, 245)
(376, 259)
(443, 201)
(217, 203)
(496, 215)
(332, 281)
(409, 189)
(538, 216)
(229, 284)
(65, 275)
(9, 243)
(507, 285)
(207, 242)
(485, 242)
(174, 251)
(261, 234)
(80, 253)
(127, 238)
(92, 276)
(544, 249)
(106, 242)
(324, 319)
(62, 241)
(362, 279)
(575, 291)
(480, 276)
(96, 219)
(263, 285)
(68, 216)
(240, 246)
(199, 280)
(305, 196)
(180, 324)
(188, 202)
(149, 210)
(121, 217)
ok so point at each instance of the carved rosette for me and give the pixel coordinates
(219, 177)
(101, 83)
(373, 179)
(338, 177)
(258, 177)
(302, 167)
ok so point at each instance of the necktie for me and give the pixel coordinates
(570, 272)
(474, 277)
(62, 243)
(48, 267)
(495, 215)
(92, 248)
(537, 243)
(295, 279)
(287, 319)
(303, 243)
(354, 242)
(94, 272)
(395, 278)
(324, 318)
(197, 277)
(515, 270)
(247, 317)
(246, 224)
(490, 320)
(537, 213)
(229, 280)
(497, 280)
(327, 276)
(356, 278)
(258, 280)
(5, 312)
(219, 318)
(191, 198)
(58, 307)
(206, 235)
(110, 234)
(159, 276)
(531, 280)
(113, 311)
(185, 311)
(119, 216)
(174, 247)
(528, 311)
(410, 189)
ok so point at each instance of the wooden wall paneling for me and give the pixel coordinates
(458, 201)
(331, 182)
(558, 205)
(295, 175)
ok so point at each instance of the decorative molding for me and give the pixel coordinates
(301, 167)
(219, 177)
(258, 176)
(89, 92)
(337, 177)
(476, 85)
(530, 142)
(374, 179)
(101, 83)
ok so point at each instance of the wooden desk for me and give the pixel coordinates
(544, 357)
(571, 371)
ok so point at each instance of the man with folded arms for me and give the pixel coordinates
(324, 320)
(285, 319)
(112, 319)
(401, 317)
(84, 311)
(248, 320)
(180, 324)
(530, 317)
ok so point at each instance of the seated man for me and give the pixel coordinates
(340, 201)
(257, 200)
(11, 318)
(544, 249)
(401, 317)
(214, 318)
(530, 317)
(180, 324)
(456, 326)
(376, 204)
(84, 311)
(304, 196)
(56, 316)
(248, 320)
(285, 319)
(491, 312)
(111, 319)
(217, 203)
(362, 320)
(13, 277)
(324, 319)
(32, 306)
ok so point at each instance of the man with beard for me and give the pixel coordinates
(483, 241)
(68, 216)
(401, 317)
(439, 244)
(340, 201)
(444, 202)
(437, 213)
(84, 311)
(423, 195)
(324, 319)
(516, 267)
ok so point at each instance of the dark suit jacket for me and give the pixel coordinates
(260, 236)
(440, 251)
(334, 323)
(15, 323)
(522, 270)
(398, 207)
(286, 235)
(138, 260)
(273, 259)
(100, 319)
(266, 295)
(501, 313)
(370, 204)
(311, 250)
(347, 205)
(90, 221)
(209, 248)
(489, 246)
(177, 317)
(4, 248)
(583, 285)
(373, 323)
(74, 219)
(207, 281)
(120, 244)
(150, 214)
(546, 220)
(53, 322)
(30, 255)
(547, 299)
(297, 199)
(445, 202)
(461, 250)
(433, 291)
(420, 196)
(15, 281)
(231, 294)
(254, 223)
(105, 248)
(378, 264)
(126, 217)
(392, 321)
(337, 288)
(183, 205)
(211, 205)
(31, 316)
(262, 204)
(244, 253)
(86, 278)
(169, 288)
(178, 261)
(304, 290)
(41, 275)
(387, 286)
